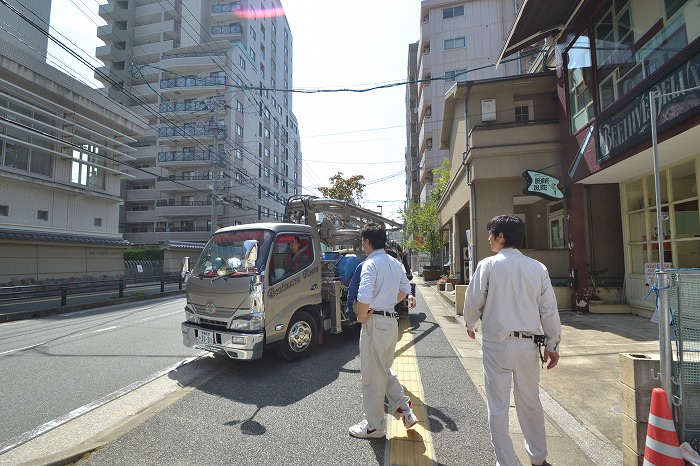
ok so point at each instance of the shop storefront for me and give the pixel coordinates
(610, 56)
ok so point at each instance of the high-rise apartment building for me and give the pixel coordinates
(459, 41)
(212, 78)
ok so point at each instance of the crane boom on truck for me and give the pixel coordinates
(268, 285)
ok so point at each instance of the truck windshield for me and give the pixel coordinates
(224, 254)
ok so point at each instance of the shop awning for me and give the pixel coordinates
(536, 20)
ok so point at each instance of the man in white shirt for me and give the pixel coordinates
(512, 295)
(383, 283)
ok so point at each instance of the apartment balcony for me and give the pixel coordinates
(154, 29)
(207, 105)
(186, 159)
(111, 53)
(225, 9)
(190, 131)
(111, 33)
(147, 152)
(139, 216)
(114, 11)
(144, 89)
(231, 31)
(198, 61)
(187, 209)
(501, 150)
(153, 12)
(136, 195)
(192, 85)
(150, 53)
(182, 183)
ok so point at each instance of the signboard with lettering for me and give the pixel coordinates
(542, 185)
(650, 269)
(630, 125)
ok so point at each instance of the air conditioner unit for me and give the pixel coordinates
(488, 110)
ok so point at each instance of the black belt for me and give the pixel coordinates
(384, 313)
(519, 335)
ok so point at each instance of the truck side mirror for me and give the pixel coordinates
(185, 267)
(250, 252)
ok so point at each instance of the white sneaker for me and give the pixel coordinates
(363, 430)
(409, 419)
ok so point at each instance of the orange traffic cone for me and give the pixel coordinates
(662, 447)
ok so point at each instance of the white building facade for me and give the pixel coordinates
(63, 146)
(459, 41)
(212, 78)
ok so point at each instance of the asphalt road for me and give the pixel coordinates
(265, 412)
(53, 366)
(273, 413)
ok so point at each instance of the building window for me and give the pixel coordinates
(4, 211)
(448, 13)
(456, 43)
(98, 222)
(555, 217)
(42, 214)
(239, 154)
(455, 75)
(86, 169)
(239, 106)
(679, 213)
(241, 63)
(580, 76)
(523, 112)
(239, 130)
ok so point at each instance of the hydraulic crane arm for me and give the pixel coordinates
(341, 220)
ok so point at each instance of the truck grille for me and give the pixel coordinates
(212, 324)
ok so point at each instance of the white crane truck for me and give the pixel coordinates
(244, 295)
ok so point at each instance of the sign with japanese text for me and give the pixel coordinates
(542, 185)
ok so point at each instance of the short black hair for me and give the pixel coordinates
(375, 233)
(512, 227)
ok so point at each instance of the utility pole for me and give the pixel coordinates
(218, 168)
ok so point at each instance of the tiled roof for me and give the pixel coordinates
(182, 245)
(47, 237)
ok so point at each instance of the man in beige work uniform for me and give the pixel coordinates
(383, 283)
(512, 295)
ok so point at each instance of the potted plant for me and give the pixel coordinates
(591, 293)
(441, 282)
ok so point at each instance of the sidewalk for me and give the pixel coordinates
(581, 396)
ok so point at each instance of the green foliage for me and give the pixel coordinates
(350, 189)
(143, 254)
(422, 221)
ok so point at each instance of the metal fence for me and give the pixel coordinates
(684, 301)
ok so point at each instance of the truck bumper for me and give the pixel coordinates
(235, 345)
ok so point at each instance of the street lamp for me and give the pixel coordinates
(380, 210)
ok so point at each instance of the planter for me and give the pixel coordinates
(431, 275)
(563, 295)
(441, 286)
(454, 281)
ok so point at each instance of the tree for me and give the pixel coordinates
(421, 222)
(350, 189)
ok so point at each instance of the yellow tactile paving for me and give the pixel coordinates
(415, 446)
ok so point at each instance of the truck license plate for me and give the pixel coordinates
(206, 337)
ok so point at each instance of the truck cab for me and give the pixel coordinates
(241, 295)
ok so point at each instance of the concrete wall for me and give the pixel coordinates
(29, 263)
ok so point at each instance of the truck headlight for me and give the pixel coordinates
(249, 322)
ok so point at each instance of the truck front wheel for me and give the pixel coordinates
(300, 338)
